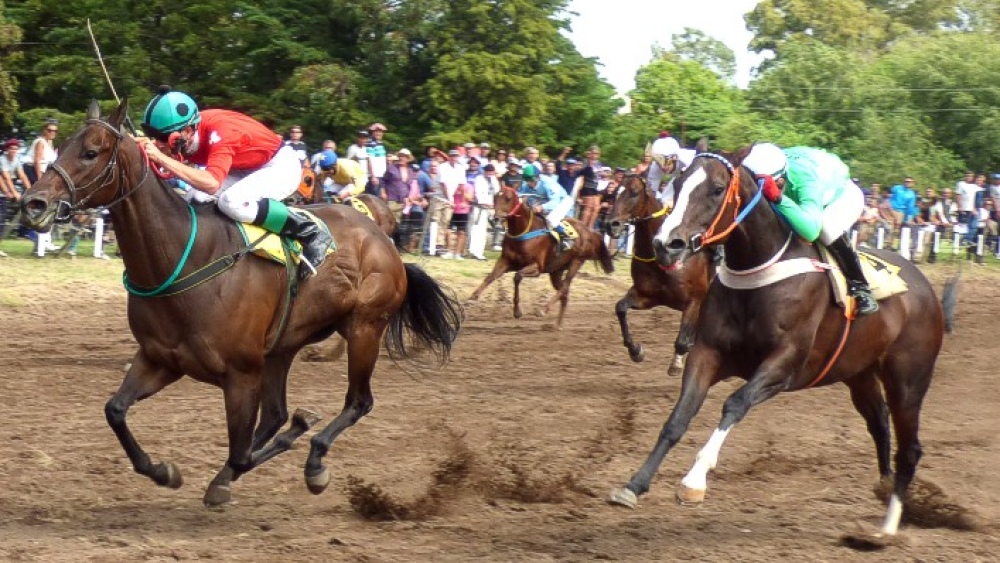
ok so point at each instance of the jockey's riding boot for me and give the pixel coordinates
(275, 217)
(850, 266)
(564, 240)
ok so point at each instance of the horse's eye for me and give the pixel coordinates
(717, 190)
(90, 154)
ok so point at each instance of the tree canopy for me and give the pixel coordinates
(896, 87)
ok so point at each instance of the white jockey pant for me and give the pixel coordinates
(559, 213)
(655, 176)
(242, 189)
(842, 213)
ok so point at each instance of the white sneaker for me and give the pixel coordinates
(51, 248)
(459, 257)
(3, 254)
(497, 247)
(447, 256)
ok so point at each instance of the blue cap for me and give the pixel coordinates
(996, 176)
(572, 161)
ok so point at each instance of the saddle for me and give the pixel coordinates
(569, 230)
(275, 248)
(883, 277)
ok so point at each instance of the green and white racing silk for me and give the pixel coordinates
(814, 180)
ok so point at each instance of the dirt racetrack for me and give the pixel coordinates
(526, 431)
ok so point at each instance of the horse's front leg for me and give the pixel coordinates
(769, 379)
(144, 379)
(499, 269)
(241, 391)
(632, 300)
(273, 415)
(701, 372)
(685, 337)
(531, 271)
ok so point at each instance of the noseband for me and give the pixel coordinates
(646, 196)
(103, 179)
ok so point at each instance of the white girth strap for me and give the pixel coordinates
(772, 271)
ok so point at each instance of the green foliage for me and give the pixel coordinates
(694, 45)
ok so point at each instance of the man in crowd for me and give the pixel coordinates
(377, 158)
(486, 186)
(966, 192)
(452, 176)
(11, 174)
(297, 144)
(903, 200)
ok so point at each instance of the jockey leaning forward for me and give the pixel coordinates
(546, 196)
(348, 176)
(246, 167)
(669, 160)
(813, 191)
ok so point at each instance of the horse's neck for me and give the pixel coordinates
(523, 221)
(645, 231)
(759, 238)
(152, 227)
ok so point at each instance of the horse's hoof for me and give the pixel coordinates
(865, 540)
(305, 418)
(674, 371)
(167, 474)
(217, 495)
(639, 355)
(318, 483)
(689, 497)
(517, 314)
(623, 497)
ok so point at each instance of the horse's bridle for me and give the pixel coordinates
(646, 195)
(700, 240)
(105, 177)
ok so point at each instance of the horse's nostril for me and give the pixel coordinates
(676, 244)
(35, 206)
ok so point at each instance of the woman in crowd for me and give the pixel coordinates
(464, 196)
(643, 166)
(42, 153)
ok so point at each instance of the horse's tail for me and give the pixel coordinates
(430, 317)
(605, 256)
(949, 300)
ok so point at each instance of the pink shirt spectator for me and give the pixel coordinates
(462, 196)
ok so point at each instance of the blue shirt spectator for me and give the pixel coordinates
(904, 200)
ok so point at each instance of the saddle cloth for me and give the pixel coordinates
(272, 247)
(362, 207)
(569, 229)
(883, 277)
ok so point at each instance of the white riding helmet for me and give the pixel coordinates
(665, 147)
(767, 159)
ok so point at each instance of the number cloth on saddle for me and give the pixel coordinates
(883, 277)
(272, 248)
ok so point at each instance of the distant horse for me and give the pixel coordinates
(652, 286)
(788, 335)
(381, 214)
(530, 251)
(226, 330)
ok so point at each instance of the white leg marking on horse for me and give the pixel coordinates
(707, 458)
(892, 516)
(674, 219)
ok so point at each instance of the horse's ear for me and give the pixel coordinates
(93, 110)
(118, 116)
(702, 145)
(739, 155)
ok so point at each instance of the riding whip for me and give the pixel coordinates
(107, 77)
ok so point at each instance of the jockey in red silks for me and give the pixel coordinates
(246, 168)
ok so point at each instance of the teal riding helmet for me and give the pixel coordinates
(168, 112)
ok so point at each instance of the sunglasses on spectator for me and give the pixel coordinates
(50, 130)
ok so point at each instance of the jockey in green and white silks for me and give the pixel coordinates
(813, 191)
(547, 197)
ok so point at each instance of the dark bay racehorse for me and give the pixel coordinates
(381, 213)
(529, 251)
(219, 332)
(653, 286)
(783, 336)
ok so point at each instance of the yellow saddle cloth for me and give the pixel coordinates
(272, 247)
(362, 207)
(883, 276)
(569, 229)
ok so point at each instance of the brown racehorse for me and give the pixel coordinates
(784, 336)
(652, 286)
(529, 251)
(219, 332)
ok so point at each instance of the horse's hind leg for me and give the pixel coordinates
(363, 343)
(866, 394)
(143, 380)
(905, 390)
